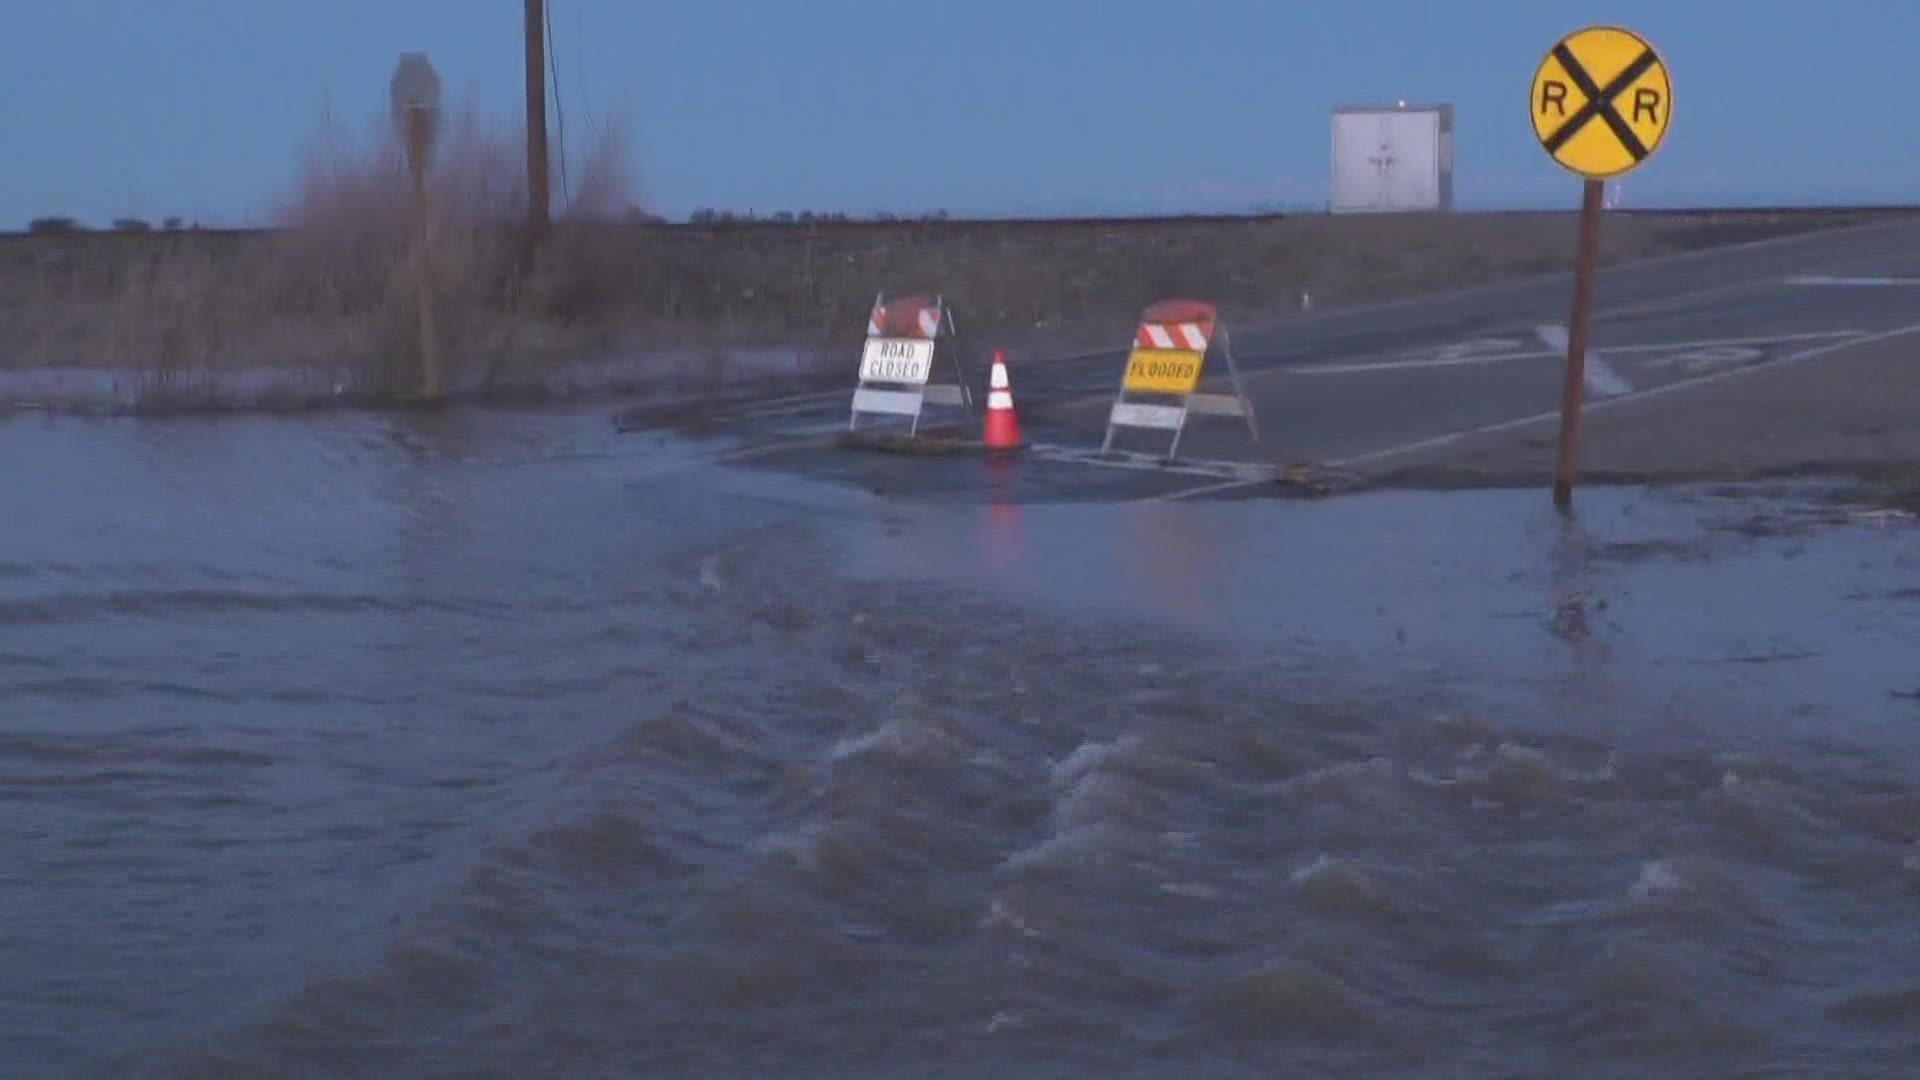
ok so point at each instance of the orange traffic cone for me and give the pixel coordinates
(1003, 427)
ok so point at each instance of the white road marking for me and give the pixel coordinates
(1427, 360)
(829, 427)
(1415, 364)
(1680, 302)
(1866, 282)
(1789, 359)
(1770, 339)
(1709, 358)
(1601, 379)
(1814, 352)
(1360, 312)
(1237, 471)
(1205, 489)
(1460, 350)
(648, 469)
(791, 403)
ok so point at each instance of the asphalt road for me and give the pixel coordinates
(1381, 387)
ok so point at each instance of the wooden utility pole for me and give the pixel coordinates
(416, 104)
(537, 198)
(419, 139)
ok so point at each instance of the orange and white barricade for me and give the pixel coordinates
(1159, 389)
(896, 364)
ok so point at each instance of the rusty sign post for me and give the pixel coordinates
(1586, 254)
(1601, 104)
(415, 95)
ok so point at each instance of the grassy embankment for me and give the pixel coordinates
(320, 308)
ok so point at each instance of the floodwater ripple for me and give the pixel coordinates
(503, 751)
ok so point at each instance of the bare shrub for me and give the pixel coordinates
(54, 226)
(323, 304)
(327, 298)
(330, 295)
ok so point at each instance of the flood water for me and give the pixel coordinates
(485, 745)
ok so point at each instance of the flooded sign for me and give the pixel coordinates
(1169, 355)
(1164, 371)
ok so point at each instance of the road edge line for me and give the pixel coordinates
(1711, 378)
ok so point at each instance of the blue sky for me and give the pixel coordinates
(202, 108)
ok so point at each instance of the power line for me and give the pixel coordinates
(537, 197)
(559, 111)
(579, 69)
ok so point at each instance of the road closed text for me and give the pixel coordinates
(897, 360)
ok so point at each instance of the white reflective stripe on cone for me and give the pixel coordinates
(999, 399)
(998, 380)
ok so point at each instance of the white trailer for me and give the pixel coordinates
(1389, 158)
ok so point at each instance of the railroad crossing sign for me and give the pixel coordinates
(1602, 102)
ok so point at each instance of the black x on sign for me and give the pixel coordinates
(1601, 102)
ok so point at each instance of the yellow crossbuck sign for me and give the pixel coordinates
(1602, 101)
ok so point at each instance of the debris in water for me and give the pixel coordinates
(1569, 619)
(1657, 879)
(710, 579)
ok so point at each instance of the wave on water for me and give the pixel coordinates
(167, 604)
(844, 833)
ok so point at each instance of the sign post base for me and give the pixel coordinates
(1578, 328)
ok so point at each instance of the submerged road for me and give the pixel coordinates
(1376, 388)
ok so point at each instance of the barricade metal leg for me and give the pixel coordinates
(1239, 390)
(1119, 397)
(959, 369)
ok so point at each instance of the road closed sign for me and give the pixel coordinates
(897, 360)
(1163, 371)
